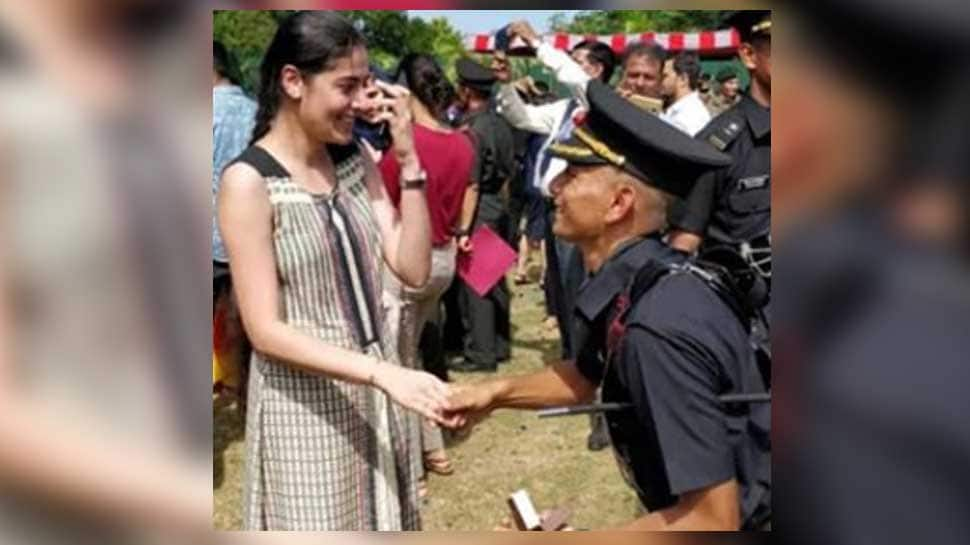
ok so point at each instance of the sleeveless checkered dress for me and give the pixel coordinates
(324, 454)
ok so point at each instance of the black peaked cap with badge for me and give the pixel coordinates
(616, 132)
(474, 75)
(750, 23)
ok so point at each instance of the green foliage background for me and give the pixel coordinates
(391, 34)
(629, 21)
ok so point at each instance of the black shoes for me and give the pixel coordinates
(464, 366)
(597, 441)
(599, 436)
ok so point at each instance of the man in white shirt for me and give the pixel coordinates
(686, 110)
(588, 60)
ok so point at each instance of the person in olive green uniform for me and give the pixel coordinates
(727, 94)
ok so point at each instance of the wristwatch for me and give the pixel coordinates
(417, 182)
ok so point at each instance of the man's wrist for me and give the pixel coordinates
(498, 393)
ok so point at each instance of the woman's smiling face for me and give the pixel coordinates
(330, 101)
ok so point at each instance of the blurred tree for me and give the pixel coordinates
(559, 22)
(281, 14)
(390, 35)
(246, 34)
(244, 29)
(630, 21)
(448, 46)
(386, 32)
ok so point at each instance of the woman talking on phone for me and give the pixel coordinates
(309, 228)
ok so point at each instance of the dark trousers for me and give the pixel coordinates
(453, 323)
(565, 273)
(553, 285)
(487, 318)
(432, 347)
(518, 206)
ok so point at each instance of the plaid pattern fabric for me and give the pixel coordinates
(406, 311)
(324, 454)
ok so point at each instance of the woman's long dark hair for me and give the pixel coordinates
(427, 81)
(309, 40)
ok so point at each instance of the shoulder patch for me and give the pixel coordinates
(726, 129)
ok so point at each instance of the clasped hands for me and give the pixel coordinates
(454, 407)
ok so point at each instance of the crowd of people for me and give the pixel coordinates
(345, 195)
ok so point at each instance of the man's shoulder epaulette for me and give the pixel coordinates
(724, 129)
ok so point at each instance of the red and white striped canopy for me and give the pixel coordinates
(705, 43)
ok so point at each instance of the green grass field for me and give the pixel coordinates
(511, 450)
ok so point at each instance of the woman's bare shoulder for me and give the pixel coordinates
(241, 177)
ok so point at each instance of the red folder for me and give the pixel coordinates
(488, 261)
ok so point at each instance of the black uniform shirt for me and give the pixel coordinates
(597, 292)
(494, 150)
(733, 204)
(683, 347)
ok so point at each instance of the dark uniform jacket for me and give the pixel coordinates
(494, 150)
(682, 348)
(733, 204)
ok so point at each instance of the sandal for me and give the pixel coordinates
(439, 463)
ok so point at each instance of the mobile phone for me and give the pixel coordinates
(384, 94)
(502, 39)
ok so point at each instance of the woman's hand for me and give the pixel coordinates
(464, 243)
(396, 111)
(418, 391)
(523, 30)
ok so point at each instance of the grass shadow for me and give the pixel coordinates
(548, 348)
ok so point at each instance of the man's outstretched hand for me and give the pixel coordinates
(468, 405)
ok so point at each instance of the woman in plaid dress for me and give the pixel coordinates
(308, 228)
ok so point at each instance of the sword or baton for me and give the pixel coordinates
(570, 410)
(760, 397)
(584, 409)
